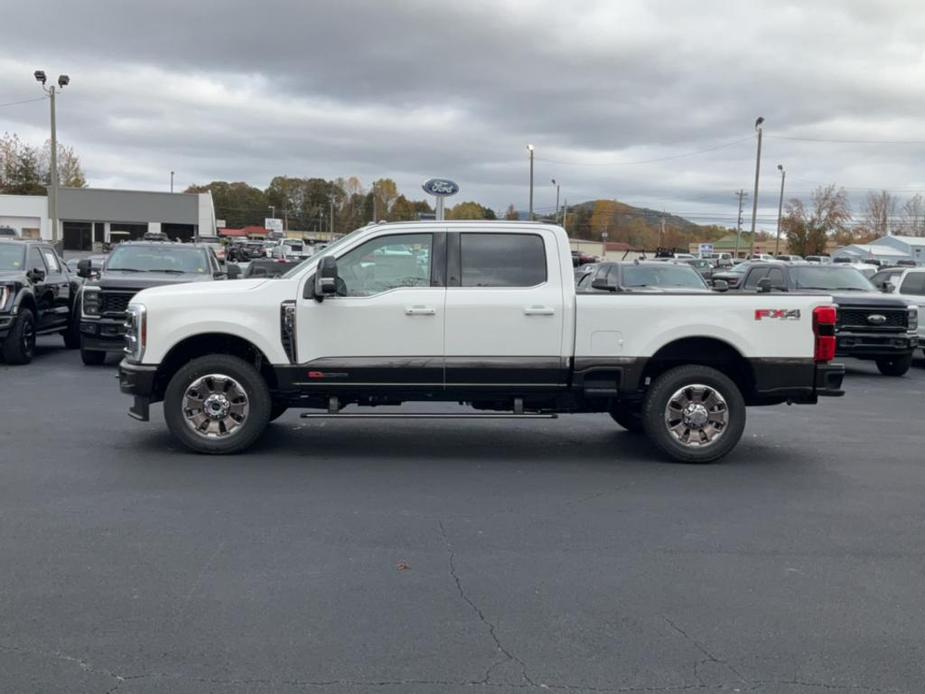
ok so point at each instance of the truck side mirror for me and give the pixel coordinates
(326, 277)
(233, 271)
(720, 286)
(764, 285)
(37, 275)
(84, 268)
(889, 287)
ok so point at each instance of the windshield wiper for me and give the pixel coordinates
(124, 269)
(170, 271)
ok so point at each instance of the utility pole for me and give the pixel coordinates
(741, 194)
(530, 213)
(565, 215)
(661, 232)
(557, 198)
(171, 181)
(780, 207)
(757, 173)
(63, 81)
(331, 226)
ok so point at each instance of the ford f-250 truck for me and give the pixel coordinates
(481, 313)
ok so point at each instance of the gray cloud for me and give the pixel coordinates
(415, 89)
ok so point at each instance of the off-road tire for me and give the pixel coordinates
(895, 366)
(19, 345)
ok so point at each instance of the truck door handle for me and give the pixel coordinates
(539, 311)
(420, 311)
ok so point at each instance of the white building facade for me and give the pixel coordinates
(912, 246)
(91, 217)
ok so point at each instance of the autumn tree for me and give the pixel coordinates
(511, 213)
(879, 209)
(603, 217)
(912, 222)
(238, 203)
(469, 210)
(808, 231)
(25, 170)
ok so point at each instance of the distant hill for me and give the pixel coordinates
(624, 214)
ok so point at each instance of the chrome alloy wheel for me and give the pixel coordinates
(696, 415)
(215, 406)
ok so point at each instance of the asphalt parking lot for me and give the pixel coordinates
(452, 556)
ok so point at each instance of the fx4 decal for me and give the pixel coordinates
(778, 313)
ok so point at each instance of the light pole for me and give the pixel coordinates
(557, 199)
(63, 81)
(171, 181)
(530, 214)
(757, 172)
(780, 207)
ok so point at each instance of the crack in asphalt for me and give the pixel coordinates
(528, 684)
(492, 630)
(703, 649)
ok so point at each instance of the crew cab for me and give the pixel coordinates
(909, 284)
(36, 298)
(131, 267)
(870, 324)
(480, 313)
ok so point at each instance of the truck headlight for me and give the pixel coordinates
(913, 318)
(90, 302)
(136, 332)
(6, 294)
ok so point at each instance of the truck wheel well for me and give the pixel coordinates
(706, 351)
(211, 343)
(28, 301)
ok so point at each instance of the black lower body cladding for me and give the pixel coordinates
(104, 334)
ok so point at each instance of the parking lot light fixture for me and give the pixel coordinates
(780, 206)
(530, 212)
(556, 216)
(63, 81)
(758, 123)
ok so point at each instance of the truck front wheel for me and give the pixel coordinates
(217, 404)
(895, 366)
(694, 413)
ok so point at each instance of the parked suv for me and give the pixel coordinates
(910, 285)
(870, 324)
(36, 298)
(131, 267)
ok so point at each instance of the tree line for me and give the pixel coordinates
(25, 169)
(308, 204)
(808, 226)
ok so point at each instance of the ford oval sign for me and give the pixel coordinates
(441, 187)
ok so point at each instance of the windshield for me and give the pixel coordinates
(667, 276)
(12, 256)
(830, 278)
(327, 251)
(167, 258)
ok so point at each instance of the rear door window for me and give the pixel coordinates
(754, 276)
(502, 260)
(776, 275)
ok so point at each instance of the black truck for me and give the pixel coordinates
(131, 267)
(870, 325)
(37, 294)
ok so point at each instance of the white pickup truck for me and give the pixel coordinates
(480, 313)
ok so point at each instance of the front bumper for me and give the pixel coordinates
(138, 380)
(103, 334)
(873, 345)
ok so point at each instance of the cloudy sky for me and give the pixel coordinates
(651, 102)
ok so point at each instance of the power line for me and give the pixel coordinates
(645, 161)
(24, 101)
(848, 142)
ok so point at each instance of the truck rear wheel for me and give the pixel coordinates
(694, 413)
(895, 366)
(217, 404)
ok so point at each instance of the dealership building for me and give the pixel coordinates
(90, 217)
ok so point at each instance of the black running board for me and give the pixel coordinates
(423, 415)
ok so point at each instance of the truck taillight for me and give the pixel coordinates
(824, 318)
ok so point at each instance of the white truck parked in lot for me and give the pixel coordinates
(481, 313)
